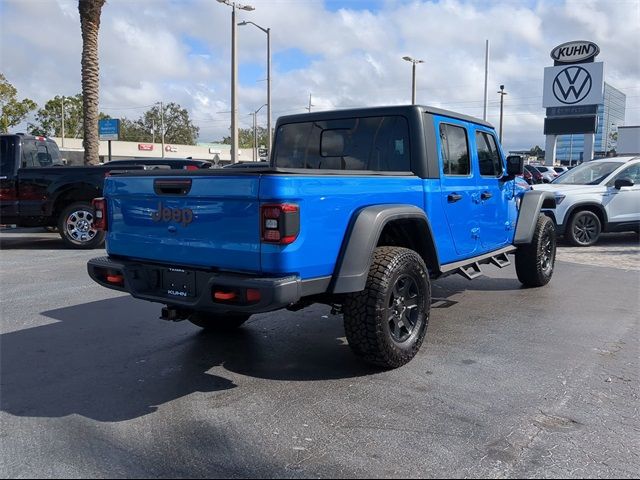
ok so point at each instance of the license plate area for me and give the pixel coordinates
(179, 283)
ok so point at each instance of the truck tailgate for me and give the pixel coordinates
(201, 221)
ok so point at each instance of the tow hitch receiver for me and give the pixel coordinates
(174, 314)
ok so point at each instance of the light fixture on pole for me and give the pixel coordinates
(234, 76)
(502, 94)
(268, 32)
(413, 77)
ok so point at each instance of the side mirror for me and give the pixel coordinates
(515, 165)
(623, 182)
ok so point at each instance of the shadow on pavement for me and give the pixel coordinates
(48, 241)
(607, 240)
(37, 238)
(113, 360)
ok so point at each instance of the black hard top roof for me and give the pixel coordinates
(378, 111)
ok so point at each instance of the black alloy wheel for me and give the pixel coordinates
(403, 308)
(584, 229)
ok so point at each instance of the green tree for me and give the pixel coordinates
(90, 11)
(178, 127)
(245, 137)
(130, 131)
(536, 152)
(13, 111)
(48, 120)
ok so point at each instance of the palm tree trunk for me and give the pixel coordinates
(90, 24)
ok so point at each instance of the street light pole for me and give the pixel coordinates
(255, 132)
(502, 94)
(62, 121)
(413, 77)
(268, 32)
(162, 126)
(234, 76)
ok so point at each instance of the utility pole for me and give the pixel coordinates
(162, 126)
(234, 76)
(62, 117)
(310, 104)
(502, 94)
(486, 79)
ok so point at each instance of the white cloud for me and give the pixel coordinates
(153, 50)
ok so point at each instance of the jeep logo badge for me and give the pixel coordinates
(178, 215)
(575, 52)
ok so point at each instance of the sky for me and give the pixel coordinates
(345, 53)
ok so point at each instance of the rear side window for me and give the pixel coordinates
(488, 156)
(54, 152)
(370, 143)
(44, 157)
(7, 155)
(454, 150)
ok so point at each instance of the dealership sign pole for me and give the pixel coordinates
(573, 89)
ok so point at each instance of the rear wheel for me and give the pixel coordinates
(584, 229)
(386, 323)
(536, 260)
(75, 226)
(213, 322)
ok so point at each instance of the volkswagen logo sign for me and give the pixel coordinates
(572, 85)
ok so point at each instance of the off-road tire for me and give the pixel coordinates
(535, 261)
(584, 228)
(369, 314)
(212, 322)
(72, 224)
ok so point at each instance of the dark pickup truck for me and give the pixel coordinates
(37, 190)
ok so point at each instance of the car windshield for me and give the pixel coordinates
(542, 169)
(589, 173)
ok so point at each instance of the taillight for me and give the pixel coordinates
(280, 223)
(191, 167)
(100, 213)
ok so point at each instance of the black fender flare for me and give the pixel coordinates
(531, 204)
(361, 239)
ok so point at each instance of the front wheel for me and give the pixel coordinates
(212, 322)
(75, 226)
(386, 323)
(536, 260)
(584, 229)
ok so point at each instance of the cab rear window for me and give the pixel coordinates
(365, 143)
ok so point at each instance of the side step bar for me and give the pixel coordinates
(470, 268)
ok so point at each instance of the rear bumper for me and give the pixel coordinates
(145, 281)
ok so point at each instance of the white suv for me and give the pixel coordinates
(595, 197)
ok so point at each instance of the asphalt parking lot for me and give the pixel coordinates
(511, 382)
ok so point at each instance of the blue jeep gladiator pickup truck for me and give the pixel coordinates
(358, 209)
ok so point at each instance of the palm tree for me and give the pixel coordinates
(90, 24)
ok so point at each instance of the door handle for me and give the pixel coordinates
(486, 195)
(453, 197)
